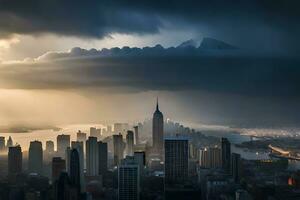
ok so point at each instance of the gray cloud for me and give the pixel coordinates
(219, 85)
(214, 68)
(259, 24)
(75, 18)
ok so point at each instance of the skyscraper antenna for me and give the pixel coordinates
(157, 103)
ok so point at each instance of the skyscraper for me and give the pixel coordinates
(75, 169)
(215, 157)
(118, 148)
(102, 147)
(50, 147)
(204, 158)
(35, 157)
(64, 189)
(128, 180)
(136, 134)
(236, 167)
(129, 143)
(63, 142)
(94, 132)
(226, 154)
(49, 150)
(14, 161)
(210, 157)
(140, 159)
(176, 160)
(81, 137)
(68, 158)
(2, 143)
(58, 166)
(9, 142)
(79, 147)
(158, 130)
(92, 162)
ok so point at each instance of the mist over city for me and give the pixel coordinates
(138, 100)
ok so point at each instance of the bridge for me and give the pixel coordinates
(278, 150)
(280, 153)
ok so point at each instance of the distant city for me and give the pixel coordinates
(149, 100)
(156, 159)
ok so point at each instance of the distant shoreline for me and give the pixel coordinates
(26, 129)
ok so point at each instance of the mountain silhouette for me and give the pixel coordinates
(188, 43)
(213, 44)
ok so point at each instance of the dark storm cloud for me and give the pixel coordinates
(75, 18)
(257, 24)
(222, 70)
(219, 83)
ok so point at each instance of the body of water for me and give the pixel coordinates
(235, 138)
(44, 135)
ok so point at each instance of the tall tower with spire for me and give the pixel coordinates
(158, 130)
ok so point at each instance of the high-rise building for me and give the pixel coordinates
(92, 162)
(14, 161)
(158, 130)
(9, 142)
(35, 157)
(2, 143)
(136, 135)
(49, 147)
(75, 169)
(204, 158)
(140, 159)
(81, 137)
(79, 147)
(63, 142)
(118, 148)
(210, 157)
(226, 154)
(215, 157)
(103, 152)
(128, 180)
(67, 157)
(236, 167)
(94, 132)
(64, 189)
(129, 143)
(58, 166)
(176, 160)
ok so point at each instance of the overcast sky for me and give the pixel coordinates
(54, 69)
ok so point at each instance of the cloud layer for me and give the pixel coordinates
(259, 24)
(215, 67)
(252, 85)
(213, 83)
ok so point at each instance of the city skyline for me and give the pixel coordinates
(86, 165)
(149, 100)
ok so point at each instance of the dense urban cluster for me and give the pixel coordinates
(131, 163)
